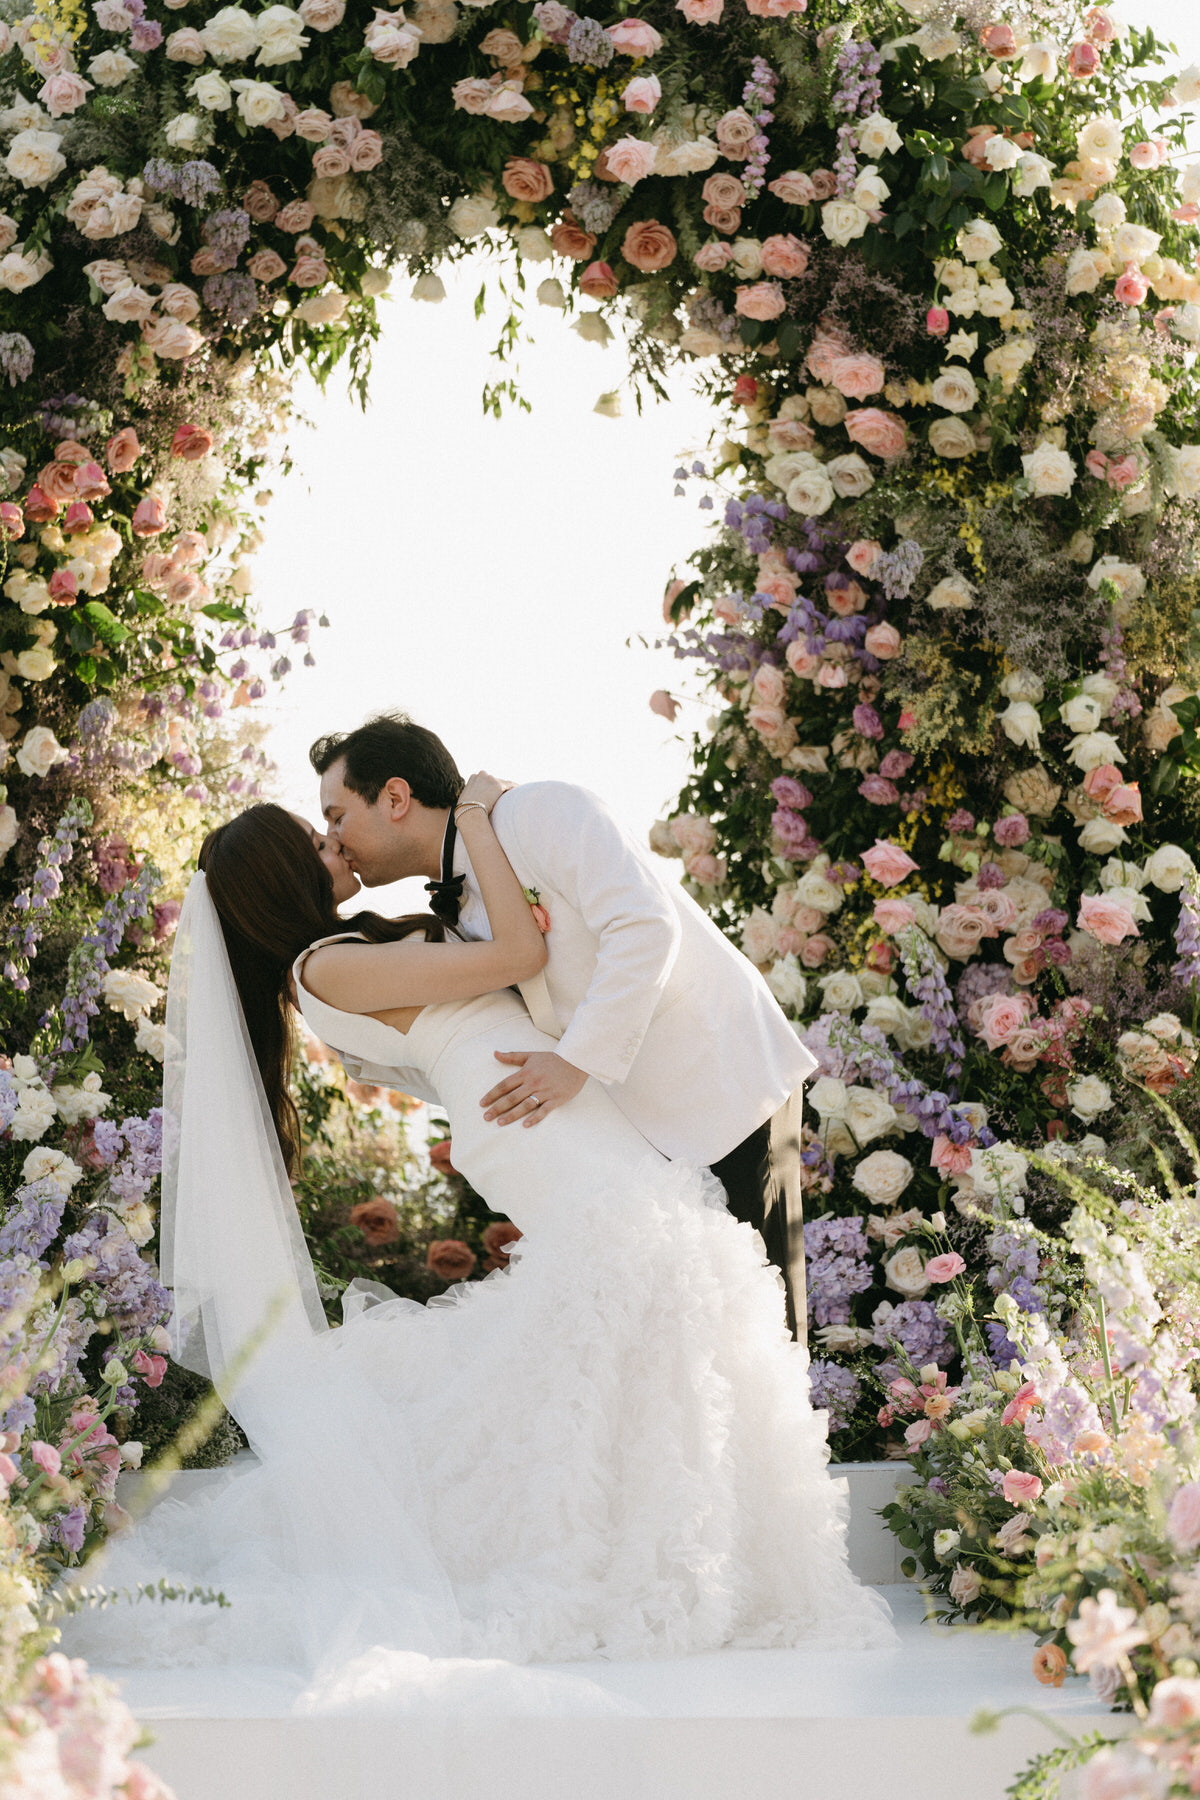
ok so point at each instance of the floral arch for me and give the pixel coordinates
(936, 264)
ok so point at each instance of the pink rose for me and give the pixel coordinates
(878, 791)
(313, 125)
(794, 189)
(150, 517)
(887, 863)
(1106, 920)
(631, 159)
(1019, 1487)
(998, 1017)
(1124, 804)
(893, 915)
(763, 300)
(937, 321)
(297, 215)
(330, 161)
(769, 685)
(825, 349)
(948, 1158)
(45, 1456)
(1146, 155)
(724, 191)
(570, 239)
(775, 9)
(862, 556)
(945, 1268)
(801, 661)
(64, 93)
(918, 1433)
(191, 442)
(824, 183)
(784, 255)
(712, 258)
(122, 451)
(649, 246)
(265, 265)
(599, 283)
(857, 376)
(1123, 471)
(790, 434)
(633, 37)
(816, 950)
(662, 704)
(883, 641)
(185, 588)
(366, 151)
(1026, 1046)
(78, 517)
(723, 218)
(880, 433)
(701, 12)
(768, 721)
(1132, 287)
(642, 94)
(709, 871)
(736, 131)
(832, 675)
(472, 94)
(960, 930)
(527, 179)
(1099, 782)
(63, 587)
(1183, 1517)
(999, 41)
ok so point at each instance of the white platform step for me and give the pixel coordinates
(750, 1725)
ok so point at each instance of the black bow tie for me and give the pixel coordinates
(445, 896)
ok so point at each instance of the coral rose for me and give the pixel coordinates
(882, 433)
(377, 1220)
(630, 159)
(598, 281)
(526, 179)
(1106, 920)
(191, 442)
(450, 1259)
(570, 239)
(784, 255)
(648, 246)
(122, 451)
(763, 300)
(857, 377)
(887, 864)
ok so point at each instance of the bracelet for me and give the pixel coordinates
(464, 804)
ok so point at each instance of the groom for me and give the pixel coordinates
(641, 990)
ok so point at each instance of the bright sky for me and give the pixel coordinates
(486, 575)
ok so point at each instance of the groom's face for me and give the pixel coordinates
(371, 835)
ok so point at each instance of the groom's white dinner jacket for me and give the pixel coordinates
(643, 992)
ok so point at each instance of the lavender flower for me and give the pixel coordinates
(916, 1327)
(233, 294)
(1187, 933)
(897, 569)
(589, 43)
(594, 206)
(858, 88)
(16, 356)
(835, 1388)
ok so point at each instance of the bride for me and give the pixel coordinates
(604, 1451)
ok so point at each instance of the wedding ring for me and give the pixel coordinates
(535, 1099)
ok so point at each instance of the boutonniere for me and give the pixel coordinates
(540, 914)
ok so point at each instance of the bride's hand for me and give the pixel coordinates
(484, 788)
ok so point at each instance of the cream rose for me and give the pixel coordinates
(280, 35)
(1101, 138)
(877, 135)
(827, 1096)
(1021, 724)
(955, 390)
(883, 1176)
(867, 1113)
(258, 103)
(111, 68)
(842, 221)
(904, 1272)
(212, 92)
(229, 36)
(811, 493)
(1169, 867)
(953, 593)
(1049, 471)
(39, 752)
(472, 215)
(951, 437)
(127, 992)
(979, 241)
(850, 475)
(34, 158)
(841, 991)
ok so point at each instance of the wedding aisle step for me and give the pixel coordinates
(749, 1725)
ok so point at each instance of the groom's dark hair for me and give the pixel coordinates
(391, 744)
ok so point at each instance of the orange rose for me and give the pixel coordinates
(58, 480)
(649, 246)
(377, 1220)
(598, 281)
(570, 239)
(526, 179)
(450, 1259)
(123, 450)
(495, 1236)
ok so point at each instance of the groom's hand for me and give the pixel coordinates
(542, 1077)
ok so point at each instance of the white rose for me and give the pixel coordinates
(1049, 471)
(850, 474)
(842, 221)
(1039, 61)
(1083, 272)
(1099, 836)
(280, 34)
(995, 299)
(787, 983)
(1101, 139)
(747, 258)
(257, 101)
(34, 158)
(811, 493)
(1000, 1169)
(1103, 689)
(877, 134)
(1083, 713)
(1108, 211)
(813, 889)
(837, 1338)
(887, 1013)
(1001, 153)
(1021, 724)
(870, 189)
(868, 1113)
(151, 1038)
(690, 157)
(75, 1104)
(1092, 748)
(183, 131)
(951, 437)
(953, 593)
(10, 827)
(1023, 684)
(1126, 577)
(1089, 1097)
(111, 68)
(127, 992)
(429, 287)
(40, 751)
(322, 309)
(883, 1176)
(827, 1096)
(904, 1273)
(1135, 243)
(1183, 468)
(1169, 867)
(550, 293)
(212, 92)
(533, 244)
(841, 991)
(229, 36)
(955, 389)
(471, 215)
(34, 1115)
(44, 1164)
(936, 41)
(979, 241)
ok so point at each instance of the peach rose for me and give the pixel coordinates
(767, 720)
(784, 255)
(57, 480)
(949, 1158)
(857, 377)
(801, 661)
(122, 451)
(960, 931)
(1106, 920)
(881, 433)
(725, 191)
(630, 159)
(863, 554)
(887, 863)
(377, 1220)
(769, 685)
(329, 162)
(723, 218)
(883, 641)
(149, 518)
(763, 300)
(816, 950)
(599, 283)
(648, 246)
(496, 1236)
(260, 202)
(824, 183)
(266, 265)
(1124, 804)
(504, 47)
(1025, 1046)
(1020, 1488)
(570, 239)
(736, 131)
(642, 94)
(449, 1259)
(526, 179)
(845, 600)
(191, 442)
(701, 12)
(794, 188)
(998, 1017)
(712, 258)
(633, 37)
(297, 215)
(472, 94)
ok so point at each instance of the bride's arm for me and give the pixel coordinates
(371, 978)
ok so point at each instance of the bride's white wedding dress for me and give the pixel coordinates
(604, 1451)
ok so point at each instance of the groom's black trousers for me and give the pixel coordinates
(761, 1178)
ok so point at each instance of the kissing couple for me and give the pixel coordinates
(605, 1450)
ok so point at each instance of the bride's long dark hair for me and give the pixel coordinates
(274, 897)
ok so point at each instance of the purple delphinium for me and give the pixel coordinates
(24, 932)
(835, 1388)
(30, 1227)
(758, 96)
(132, 1153)
(1187, 933)
(92, 958)
(857, 87)
(135, 1298)
(928, 985)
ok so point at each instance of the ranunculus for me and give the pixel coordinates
(648, 246)
(887, 864)
(881, 433)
